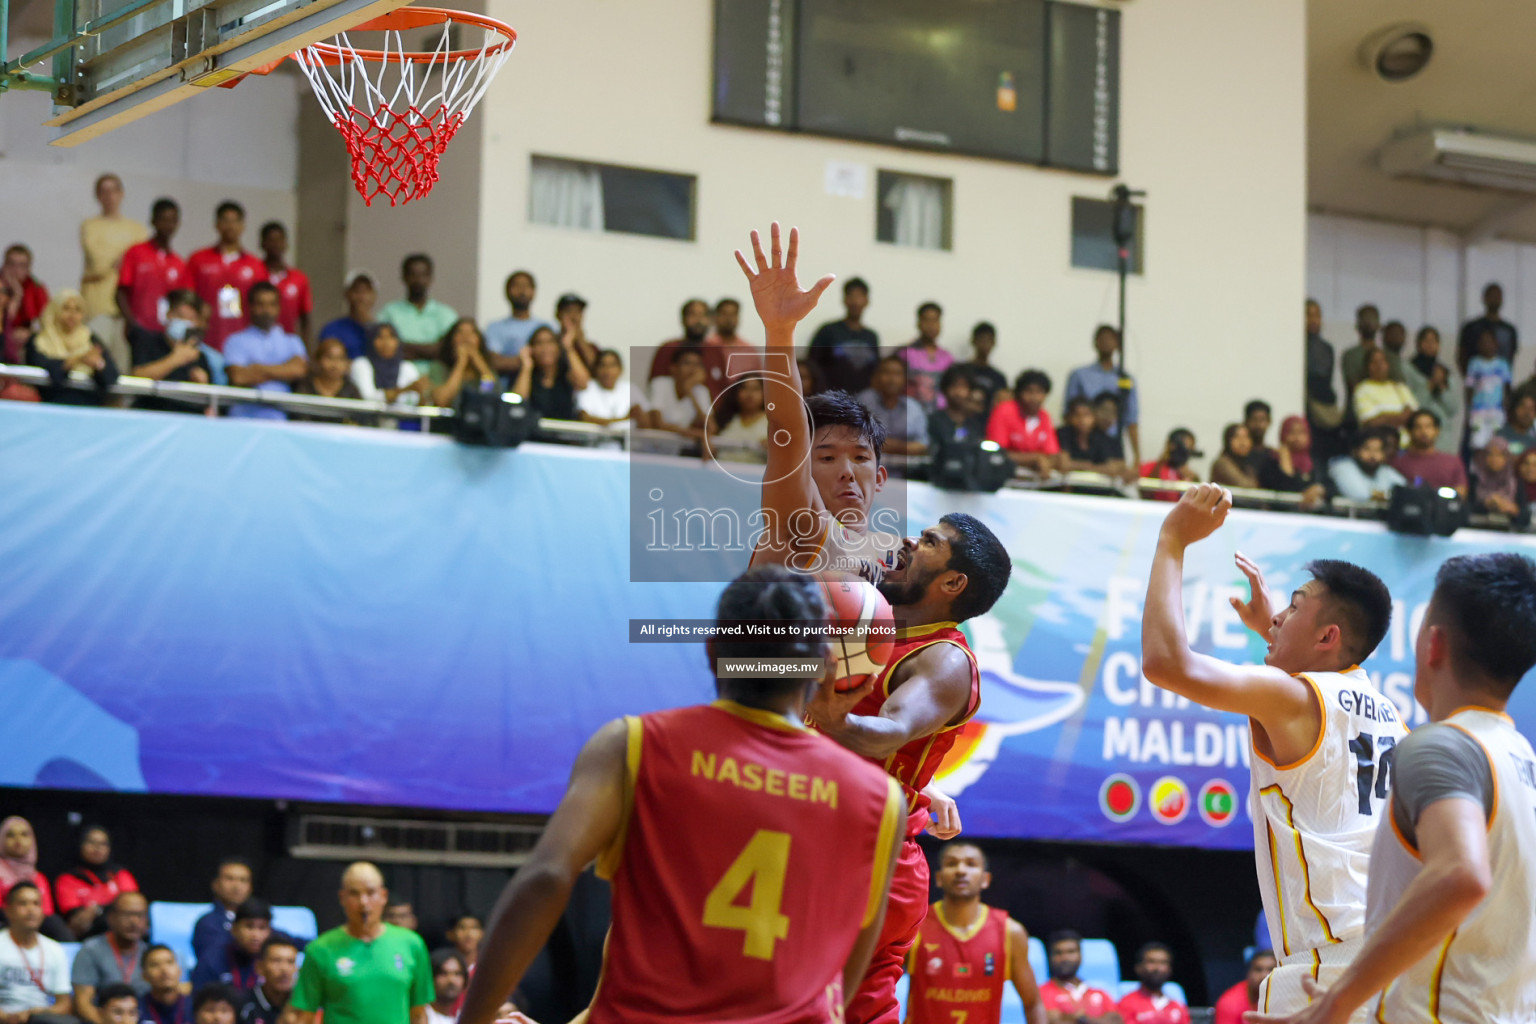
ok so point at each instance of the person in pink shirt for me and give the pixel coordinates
(222, 275)
(1244, 996)
(926, 360)
(1149, 1004)
(1022, 426)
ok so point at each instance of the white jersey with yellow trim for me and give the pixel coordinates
(1313, 824)
(1486, 970)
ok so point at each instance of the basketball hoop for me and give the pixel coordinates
(398, 109)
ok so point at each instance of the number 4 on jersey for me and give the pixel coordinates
(1374, 764)
(763, 864)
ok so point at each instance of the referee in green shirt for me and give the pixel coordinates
(366, 971)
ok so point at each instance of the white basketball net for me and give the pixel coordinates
(398, 115)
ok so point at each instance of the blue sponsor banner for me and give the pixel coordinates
(326, 613)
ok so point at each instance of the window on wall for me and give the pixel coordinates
(914, 210)
(605, 197)
(1093, 236)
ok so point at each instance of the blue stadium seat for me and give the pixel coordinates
(1173, 989)
(71, 950)
(296, 921)
(170, 924)
(1037, 960)
(1101, 964)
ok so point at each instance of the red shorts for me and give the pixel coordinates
(905, 911)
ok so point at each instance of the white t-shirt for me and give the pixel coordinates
(362, 376)
(601, 403)
(677, 411)
(18, 990)
(748, 433)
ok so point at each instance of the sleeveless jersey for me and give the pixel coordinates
(837, 549)
(1314, 821)
(752, 853)
(1486, 970)
(958, 976)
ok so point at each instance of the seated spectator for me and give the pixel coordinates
(926, 359)
(18, 861)
(1488, 382)
(1231, 467)
(845, 351)
(727, 319)
(1382, 403)
(22, 301)
(956, 421)
(175, 352)
(1147, 1004)
(294, 301)
(328, 377)
(1084, 447)
(889, 399)
(983, 375)
(695, 317)
(1257, 416)
(66, 348)
(83, 892)
(1525, 471)
(215, 1004)
(165, 1002)
(234, 963)
(571, 321)
(383, 375)
(1435, 385)
(352, 330)
(1022, 426)
(1244, 996)
(610, 398)
(264, 356)
(1520, 431)
(401, 914)
(505, 338)
(1495, 488)
(743, 418)
(680, 402)
(551, 375)
(462, 364)
(150, 272)
(1173, 463)
(1292, 468)
(1103, 377)
(116, 1003)
(1066, 997)
(278, 967)
(810, 378)
(231, 887)
(34, 981)
(1106, 415)
(421, 321)
(465, 934)
(1422, 463)
(1363, 474)
(116, 956)
(449, 977)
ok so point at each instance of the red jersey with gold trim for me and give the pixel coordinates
(957, 974)
(753, 851)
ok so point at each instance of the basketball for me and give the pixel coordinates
(856, 607)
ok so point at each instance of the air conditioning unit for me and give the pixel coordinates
(409, 841)
(1463, 156)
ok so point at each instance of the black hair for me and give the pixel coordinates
(229, 206)
(1080, 401)
(256, 289)
(1258, 954)
(397, 901)
(1062, 935)
(1106, 396)
(18, 247)
(1228, 433)
(608, 352)
(771, 593)
(840, 409)
(1393, 323)
(1152, 947)
(161, 205)
(892, 357)
(1515, 399)
(458, 919)
(115, 991)
(234, 860)
(1422, 412)
(254, 909)
(728, 301)
(1367, 306)
(683, 313)
(954, 375)
(415, 257)
(925, 307)
(984, 327)
(185, 297)
(445, 349)
(1488, 605)
(441, 957)
(1424, 332)
(956, 843)
(1111, 328)
(215, 992)
(272, 225)
(855, 282)
(1257, 405)
(1029, 377)
(1362, 436)
(1361, 604)
(25, 883)
(159, 947)
(976, 551)
(278, 939)
(1492, 284)
(517, 274)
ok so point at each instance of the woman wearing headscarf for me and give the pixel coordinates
(67, 349)
(18, 860)
(1291, 467)
(84, 891)
(1495, 487)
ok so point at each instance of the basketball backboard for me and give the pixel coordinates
(111, 62)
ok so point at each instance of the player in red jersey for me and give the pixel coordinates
(150, 271)
(966, 951)
(750, 858)
(294, 301)
(222, 275)
(1149, 1004)
(1068, 999)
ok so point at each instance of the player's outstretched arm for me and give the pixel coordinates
(1023, 975)
(586, 822)
(857, 963)
(929, 691)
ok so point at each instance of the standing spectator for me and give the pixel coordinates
(279, 969)
(95, 881)
(1023, 428)
(550, 375)
(722, 344)
(164, 1003)
(1257, 416)
(175, 353)
(420, 320)
(610, 398)
(926, 359)
(1394, 340)
(570, 317)
(401, 914)
(1488, 377)
(449, 976)
(150, 271)
(231, 887)
(1293, 467)
(216, 1003)
(695, 317)
(1066, 997)
(1147, 1004)
(117, 1003)
(22, 300)
(366, 971)
(352, 330)
(1084, 447)
(890, 401)
(1422, 463)
(1495, 489)
(234, 963)
(1382, 403)
(1353, 362)
(264, 356)
(844, 351)
(329, 377)
(294, 301)
(223, 274)
(980, 369)
(1244, 996)
(18, 861)
(1173, 463)
(1231, 467)
(506, 337)
(955, 423)
(34, 981)
(104, 239)
(680, 403)
(113, 958)
(1103, 376)
(1520, 432)
(1525, 471)
(1363, 474)
(1323, 412)
(463, 364)
(66, 348)
(465, 934)
(383, 375)
(1433, 385)
(1506, 338)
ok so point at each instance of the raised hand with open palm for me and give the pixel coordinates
(780, 301)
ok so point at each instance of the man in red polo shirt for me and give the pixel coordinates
(294, 303)
(1023, 428)
(1149, 1004)
(1068, 999)
(22, 298)
(223, 273)
(150, 271)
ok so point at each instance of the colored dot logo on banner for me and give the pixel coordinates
(1119, 797)
(1170, 800)
(1217, 803)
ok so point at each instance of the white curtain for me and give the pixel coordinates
(566, 194)
(917, 212)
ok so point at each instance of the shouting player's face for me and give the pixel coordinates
(963, 873)
(1299, 639)
(846, 473)
(921, 564)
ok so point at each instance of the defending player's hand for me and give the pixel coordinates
(780, 301)
(945, 814)
(1199, 513)
(828, 708)
(1321, 1010)
(1258, 613)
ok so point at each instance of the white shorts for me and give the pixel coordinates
(1282, 992)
